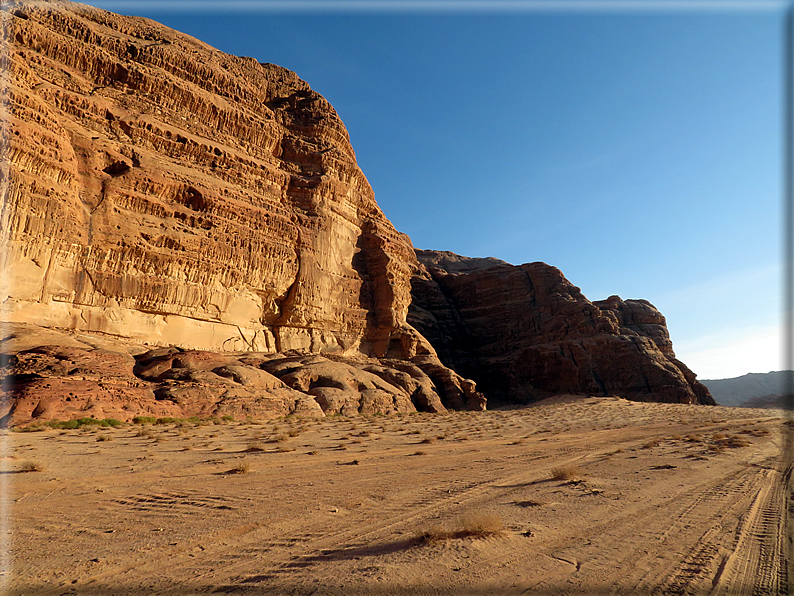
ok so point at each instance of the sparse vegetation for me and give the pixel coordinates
(144, 420)
(241, 468)
(471, 525)
(30, 466)
(732, 442)
(481, 524)
(568, 472)
(78, 423)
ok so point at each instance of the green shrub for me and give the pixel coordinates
(144, 420)
(167, 420)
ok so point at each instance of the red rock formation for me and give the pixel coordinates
(525, 333)
(50, 374)
(162, 191)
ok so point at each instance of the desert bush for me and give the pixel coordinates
(227, 418)
(84, 423)
(568, 472)
(242, 468)
(144, 420)
(30, 466)
(168, 420)
(470, 525)
(733, 441)
(481, 524)
(255, 446)
(104, 438)
(30, 428)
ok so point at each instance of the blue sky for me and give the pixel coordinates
(636, 146)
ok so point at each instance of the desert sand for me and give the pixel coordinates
(649, 498)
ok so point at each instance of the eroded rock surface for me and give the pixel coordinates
(160, 193)
(48, 374)
(525, 333)
(163, 190)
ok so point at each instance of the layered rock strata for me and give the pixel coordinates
(525, 332)
(196, 226)
(162, 191)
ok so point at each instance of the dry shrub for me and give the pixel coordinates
(255, 446)
(568, 472)
(471, 525)
(242, 468)
(733, 442)
(30, 466)
(481, 524)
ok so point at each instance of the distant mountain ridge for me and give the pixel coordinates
(753, 390)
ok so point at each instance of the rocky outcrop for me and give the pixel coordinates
(525, 332)
(49, 374)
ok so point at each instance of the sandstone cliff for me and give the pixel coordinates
(187, 233)
(525, 332)
(162, 191)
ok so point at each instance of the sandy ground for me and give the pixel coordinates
(661, 504)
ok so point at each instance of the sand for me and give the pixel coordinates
(658, 499)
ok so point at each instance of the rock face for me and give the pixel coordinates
(162, 191)
(525, 333)
(187, 233)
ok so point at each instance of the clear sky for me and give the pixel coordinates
(636, 146)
